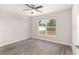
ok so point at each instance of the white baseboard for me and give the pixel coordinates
(36, 38)
(13, 42)
(54, 41)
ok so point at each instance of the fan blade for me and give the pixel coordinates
(26, 9)
(39, 7)
(39, 11)
(30, 6)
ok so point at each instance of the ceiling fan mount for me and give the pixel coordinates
(33, 8)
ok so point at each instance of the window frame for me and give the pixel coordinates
(46, 29)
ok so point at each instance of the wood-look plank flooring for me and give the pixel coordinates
(35, 47)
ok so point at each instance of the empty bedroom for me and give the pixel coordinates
(37, 29)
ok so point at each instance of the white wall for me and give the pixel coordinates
(63, 27)
(75, 29)
(13, 27)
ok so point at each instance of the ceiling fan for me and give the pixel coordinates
(33, 8)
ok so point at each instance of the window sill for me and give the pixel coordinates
(47, 35)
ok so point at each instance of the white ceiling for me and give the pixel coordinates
(47, 8)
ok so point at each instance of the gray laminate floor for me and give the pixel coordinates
(35, 47)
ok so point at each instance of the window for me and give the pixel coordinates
(47, 27)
